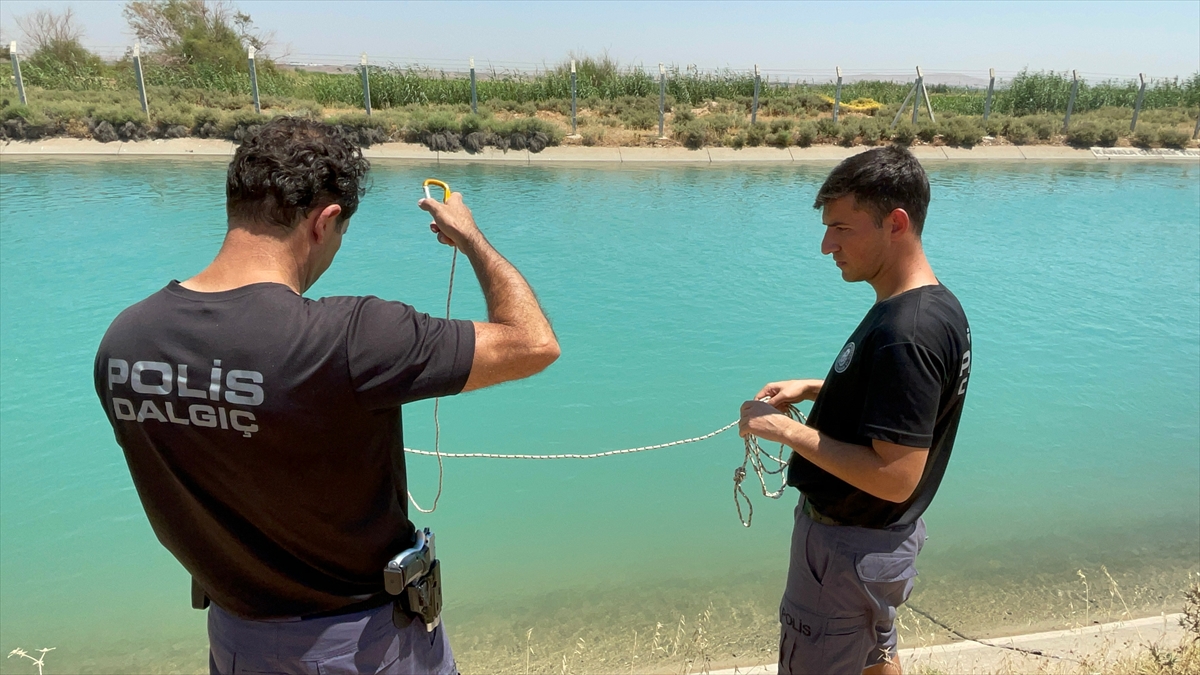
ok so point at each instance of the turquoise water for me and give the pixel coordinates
(676, 293)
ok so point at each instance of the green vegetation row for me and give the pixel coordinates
(1029, 93)
(175, 112)
(1097, 129)
(116, 115)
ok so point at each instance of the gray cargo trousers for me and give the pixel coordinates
(347, 644)
(844, 585)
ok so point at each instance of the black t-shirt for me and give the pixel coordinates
(901, 378)
(263, 433)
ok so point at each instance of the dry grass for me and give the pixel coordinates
(1144, 656)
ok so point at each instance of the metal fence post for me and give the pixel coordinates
(362, 60)
(754, 105)
(141, 83)
(1071, 102)
(574, 125)
(16, 64)
(1137, 107)
(837, 94)
(474, 96)
(987, 104)
(911, 93)
(253, 79)
(662, 98)
(920, 86)
(925, 93)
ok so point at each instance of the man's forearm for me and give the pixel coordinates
(510, 300)
(858, 465)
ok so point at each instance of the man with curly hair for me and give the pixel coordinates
(263, 428)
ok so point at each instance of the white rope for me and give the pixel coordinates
(609, 453)
(437, 427)
(754, 457)
(754, 453)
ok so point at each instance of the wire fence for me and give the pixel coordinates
(389, 81)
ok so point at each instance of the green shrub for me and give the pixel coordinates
(207, 116)
(827, 128)
(1018, 132)
(65, 110)
(1146, 136)
(502, 104)
(738, 140)
(904, 133)
(118, 115)
(756, 135)
(683, 116)
(806, 133)
(562, 106)
(1173, 138)
(692, 133)
(234, 125)
(1178, 115)
(780, 139)
(357, 120)
(173, 116)
(780, 125)
(1090, 134)
(1044, 127)
(640, 119)
(19, 111)
(591, 137)
(995, 125)
(961, 132)
(532, 125)
(470, 124)
(720, 123)
(436, 122)
(1109, 135)
(872, 131)
(848, 134)
(927, 131)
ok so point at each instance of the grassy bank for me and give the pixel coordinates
(616, 107)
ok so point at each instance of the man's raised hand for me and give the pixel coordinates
(786, 392)
(452, 221)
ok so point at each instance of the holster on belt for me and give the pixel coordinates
(414, 576)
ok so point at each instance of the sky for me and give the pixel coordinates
(800, 40)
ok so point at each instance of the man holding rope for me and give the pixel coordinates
(882, 425)
(263, 431)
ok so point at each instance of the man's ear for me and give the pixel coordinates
(326, 221)
(898, 223)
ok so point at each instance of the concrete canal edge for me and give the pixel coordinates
(409, 152)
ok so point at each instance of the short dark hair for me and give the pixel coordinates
(881, 180)
(291, 165)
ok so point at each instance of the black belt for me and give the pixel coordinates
(200, 600)
(816, 516)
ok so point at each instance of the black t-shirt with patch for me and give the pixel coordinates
(260, 428)
(901, 378)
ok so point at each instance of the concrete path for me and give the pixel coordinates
(408, 152)
(1062, 651)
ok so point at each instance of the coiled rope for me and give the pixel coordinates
(754, 457)
(754, 453)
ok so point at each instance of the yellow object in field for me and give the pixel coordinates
(867, 106)
(437, 183)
